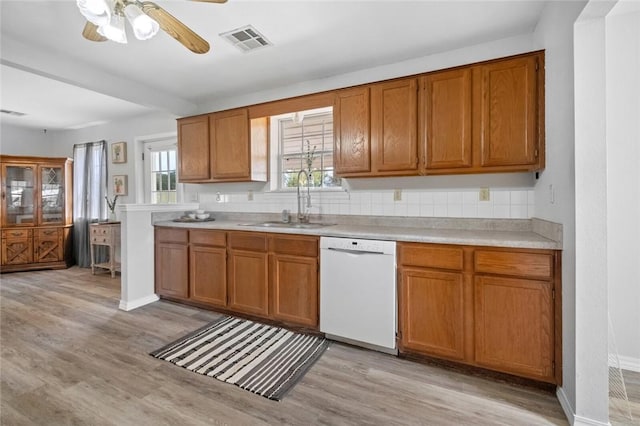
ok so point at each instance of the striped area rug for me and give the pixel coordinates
(263, 359)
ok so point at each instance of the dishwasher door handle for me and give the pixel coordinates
(355, 252)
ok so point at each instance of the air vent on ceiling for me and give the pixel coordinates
(14, 113)
(246, 38)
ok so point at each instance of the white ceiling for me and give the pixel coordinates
(61, 80)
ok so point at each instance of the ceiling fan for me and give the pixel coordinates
(105, 21)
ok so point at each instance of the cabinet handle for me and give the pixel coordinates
(3, 196)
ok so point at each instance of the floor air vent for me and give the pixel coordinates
(246, 38)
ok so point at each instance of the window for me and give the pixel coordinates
(306, 136)
(160, 162)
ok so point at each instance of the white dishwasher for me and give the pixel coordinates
(358, 292)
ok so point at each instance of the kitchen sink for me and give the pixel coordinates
(294, 225)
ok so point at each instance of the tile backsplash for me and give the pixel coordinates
(502, 204)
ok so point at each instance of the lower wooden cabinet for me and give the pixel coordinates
(208, 267)
(172, 262)
(514, 326)
(35, 248)
(294, 279)
(433, 312)
(265, 275)
(494, 308)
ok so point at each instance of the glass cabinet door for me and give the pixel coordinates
(18, 195)
(51, 194)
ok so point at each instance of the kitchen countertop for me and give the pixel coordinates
(516, 233)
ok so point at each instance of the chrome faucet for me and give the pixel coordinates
(303, 213)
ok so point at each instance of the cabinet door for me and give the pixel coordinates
(193, 149)
(230, 152)
(48, 244)
(17, 246)
(172, 276)
(514, 326)
(351, 131)
(294, 283)
(508, 112)
(432, 312)
(208, 275)
(51, 194)
(394, 126)
(19, 190)
(446, 119)
(248, 282)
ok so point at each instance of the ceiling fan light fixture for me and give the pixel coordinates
(144, 27)
(97, 12)
(114, 30)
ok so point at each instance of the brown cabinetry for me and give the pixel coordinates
(223, 147)
(248, 273)
(351, 121)
(36, 212)
(294, 279)
(172, 262)
(263, 275)
(493, 308)
(446, 119)
(394, 128)
(208, 267)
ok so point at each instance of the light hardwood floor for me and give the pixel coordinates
(70, 356)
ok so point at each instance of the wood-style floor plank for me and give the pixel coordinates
(68, 355)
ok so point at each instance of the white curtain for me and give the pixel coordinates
(89, 191)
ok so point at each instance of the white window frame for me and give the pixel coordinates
(275, 154)
(154, 146)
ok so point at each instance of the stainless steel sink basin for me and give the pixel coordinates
(294, 225)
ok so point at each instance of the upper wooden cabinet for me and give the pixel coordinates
(445, 109)
(352, 145)
(507, 94)
(193, 149)
(36, 212)
(484, 118)
(394, 118)
(223, 147)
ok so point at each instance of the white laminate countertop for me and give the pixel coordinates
(522, 238)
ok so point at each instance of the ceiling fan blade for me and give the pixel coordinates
(90, 32)
(175, 28)
(211, 1)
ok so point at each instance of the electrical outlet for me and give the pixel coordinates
(552, 194)
(484, 194)
(397, 195)
(250, 195)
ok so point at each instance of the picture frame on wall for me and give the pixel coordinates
(119, 152)
(120, 184)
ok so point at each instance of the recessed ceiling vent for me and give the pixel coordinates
(14, 113)
(246, 38)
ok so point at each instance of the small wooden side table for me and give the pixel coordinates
(105, 234)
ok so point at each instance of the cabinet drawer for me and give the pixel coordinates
(101, 239)
(537, 265)
(254, 241)
(99, 230)
(208, 238)
(294, 245)
(17, 234)
(47, 233)
(172, 235)
(432, 256)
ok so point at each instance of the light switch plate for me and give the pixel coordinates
(484, 195)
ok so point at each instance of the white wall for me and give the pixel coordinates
(623, 180)
(554, 33)
(127, 131)
(22, 141)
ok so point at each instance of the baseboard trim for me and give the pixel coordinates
(627, 363)
(133, 304)
(575, 420)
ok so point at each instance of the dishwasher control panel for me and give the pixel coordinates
(355, 244)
